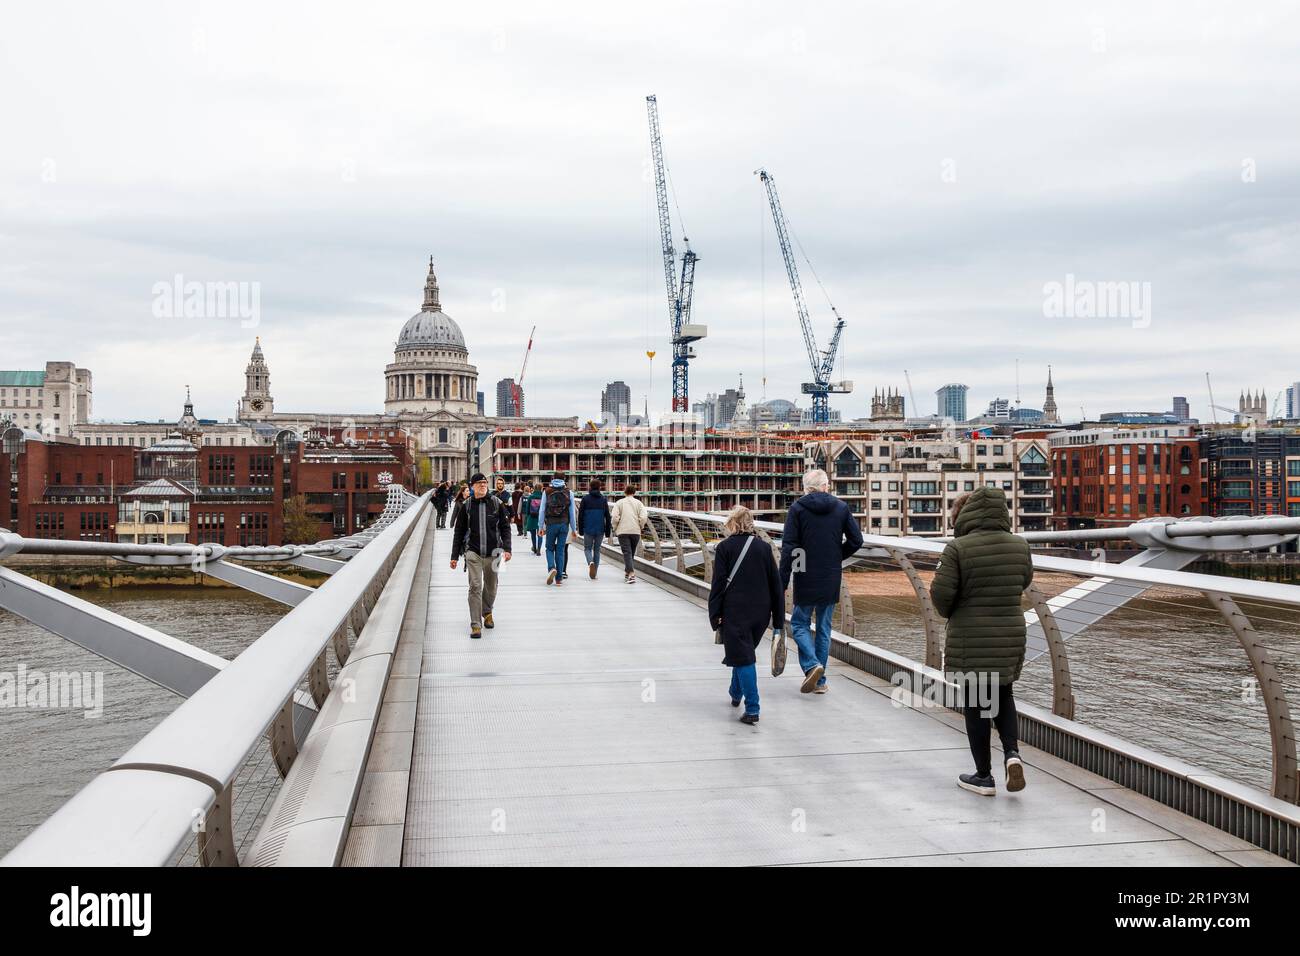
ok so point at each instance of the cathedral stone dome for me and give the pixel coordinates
(430, 330)
(430, 327)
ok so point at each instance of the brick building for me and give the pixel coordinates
(175, 491)
(1107, 477)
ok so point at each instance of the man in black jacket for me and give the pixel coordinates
(482, 533)
(820, 532)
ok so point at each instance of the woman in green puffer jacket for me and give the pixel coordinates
(977, 587)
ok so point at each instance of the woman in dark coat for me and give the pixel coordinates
(745, 609)
(978, 586)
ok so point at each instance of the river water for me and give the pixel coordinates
(1164, 673)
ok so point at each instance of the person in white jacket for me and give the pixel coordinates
(628, 519)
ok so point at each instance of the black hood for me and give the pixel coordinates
(819, 502)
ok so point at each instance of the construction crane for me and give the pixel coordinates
(823, 363)
(519, 383)
(683, 332)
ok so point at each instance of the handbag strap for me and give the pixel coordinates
(736, 567)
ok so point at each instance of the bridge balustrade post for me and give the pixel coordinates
(1280, 728)
(930, 619)
(677, 545)
(358, 616)
(341, 649)
(216, 843)
(318, 678)
(698, 535)
(1062, 685)
(848, 620)
(284, 747)
(659, 548)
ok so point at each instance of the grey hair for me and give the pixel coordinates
(815, 480)
(739, 521)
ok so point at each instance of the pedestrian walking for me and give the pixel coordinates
(627, 520)
(481, 532)
(502, 494)
(442, 502)
(459, 495)
(594, 521)
(820, 532)
(532, 507)
(522, 489)
(745, 599)
(978, 585)
(560, 518)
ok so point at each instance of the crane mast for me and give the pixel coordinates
(682, 331)
(821, 363)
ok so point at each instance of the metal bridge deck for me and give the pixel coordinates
(592, 726)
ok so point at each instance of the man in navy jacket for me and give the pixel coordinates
(820, 532)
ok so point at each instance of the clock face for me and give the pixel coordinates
(258, 404)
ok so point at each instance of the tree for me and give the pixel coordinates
(300, 526)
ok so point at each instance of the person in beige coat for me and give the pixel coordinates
(628, 519)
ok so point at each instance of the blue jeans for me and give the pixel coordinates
(591, 545)
(814, 649)
(744, 683)
(557, 549)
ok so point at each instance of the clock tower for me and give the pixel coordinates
(257, 402)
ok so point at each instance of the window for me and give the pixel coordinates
(221, 470)
(968, 486)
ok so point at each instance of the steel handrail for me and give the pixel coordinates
(207, 738)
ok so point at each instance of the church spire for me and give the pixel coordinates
(1050, 414)
(431, 303)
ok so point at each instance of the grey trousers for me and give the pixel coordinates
(482, 586)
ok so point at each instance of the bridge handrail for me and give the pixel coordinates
(873, 545)
(207, 737)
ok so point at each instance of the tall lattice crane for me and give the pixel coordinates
(823, 363)
(683, 332)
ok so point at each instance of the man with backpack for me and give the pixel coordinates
(560, 517)
(481, 532)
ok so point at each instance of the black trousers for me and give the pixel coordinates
(628, 543)
(978, 733)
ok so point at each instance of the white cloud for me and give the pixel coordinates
(324, 156)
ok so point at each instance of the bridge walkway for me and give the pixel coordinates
(592, 726)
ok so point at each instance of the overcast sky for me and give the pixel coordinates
(940, 163)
